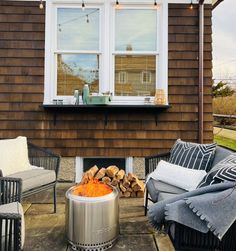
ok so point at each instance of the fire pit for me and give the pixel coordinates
(92, 216)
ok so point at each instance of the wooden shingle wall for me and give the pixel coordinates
(22, 33)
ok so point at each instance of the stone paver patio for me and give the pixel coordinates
(45, 231)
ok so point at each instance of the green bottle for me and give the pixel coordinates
(85, 93)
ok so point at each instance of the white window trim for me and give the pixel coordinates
(108, 58)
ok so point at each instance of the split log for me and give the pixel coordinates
(84, 179)
(114, 181)
(126, 183)
(140, 194)
(122, 188)
(92, 171)
(120, 175)
(126, 194)
(106, 180)
(131, 177)
(111, 171)
(100, 174)
(138, 185)
(133, 194)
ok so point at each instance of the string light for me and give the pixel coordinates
(41, 5)
(191, 5)
(87, 18)
(155, 5)
(117, 4)
(83, 5)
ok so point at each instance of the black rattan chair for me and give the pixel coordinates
(10, 222)
(185, 238)
(45, 158)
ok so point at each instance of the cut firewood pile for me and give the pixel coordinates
(128, 185)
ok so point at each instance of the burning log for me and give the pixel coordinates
(129, 185)
(111, 171)
(106, 180)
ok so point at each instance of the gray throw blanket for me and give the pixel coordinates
(208, 208)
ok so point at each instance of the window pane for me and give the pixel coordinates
(77, 29)
(135, 30)
(74, 70)
(140, 72)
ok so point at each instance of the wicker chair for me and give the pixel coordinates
(11, 215)
(185, 238)
(45, 158)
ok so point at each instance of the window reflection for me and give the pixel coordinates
(77, 29)
(141, 72)
(135, 30)
(74, 70)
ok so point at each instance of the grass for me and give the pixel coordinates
(230, 143)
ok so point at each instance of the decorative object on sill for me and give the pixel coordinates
(160, 97)
(147, 100)
(83, 5)
(98, 100)
(41, 5)
(85, 94)
(191, 5)
(76, 97)
(57, 101)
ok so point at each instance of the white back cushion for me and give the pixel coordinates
(14, 155)
(185, 178)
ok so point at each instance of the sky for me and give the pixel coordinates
(224, 40)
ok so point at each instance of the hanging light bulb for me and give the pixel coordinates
(83, 6)
(41, 5)
(155, 5)
(87, 19)
(117, 4)
(191, 5)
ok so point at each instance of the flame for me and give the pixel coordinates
(94, 188)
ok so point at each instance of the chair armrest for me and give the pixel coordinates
(10, 231)
(43, 157)
(10, 190)
(152, 161)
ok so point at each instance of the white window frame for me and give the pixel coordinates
(106, 52)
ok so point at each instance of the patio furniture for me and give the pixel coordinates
(40, 171)
(185, 238)
(12, 229)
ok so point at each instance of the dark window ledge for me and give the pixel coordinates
(56, 109)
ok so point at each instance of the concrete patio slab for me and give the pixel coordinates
(45, 231)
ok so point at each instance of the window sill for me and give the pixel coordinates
(155, 109)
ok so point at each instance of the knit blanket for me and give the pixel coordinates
(211, 208)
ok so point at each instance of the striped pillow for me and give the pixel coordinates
(192, 155)
(225, 170)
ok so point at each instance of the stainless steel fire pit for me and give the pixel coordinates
(92, 223)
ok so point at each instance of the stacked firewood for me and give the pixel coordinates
(128, 185)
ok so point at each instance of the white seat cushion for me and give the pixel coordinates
(14, 208)
(35, 178)
(14, 155)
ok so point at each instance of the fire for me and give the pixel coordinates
(93, 188)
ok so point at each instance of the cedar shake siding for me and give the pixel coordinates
(22, 35)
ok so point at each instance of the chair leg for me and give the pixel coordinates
(146, 203)
(55, 199)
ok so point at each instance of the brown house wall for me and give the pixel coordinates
(22, 27)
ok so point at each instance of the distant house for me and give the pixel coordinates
(128, 50)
